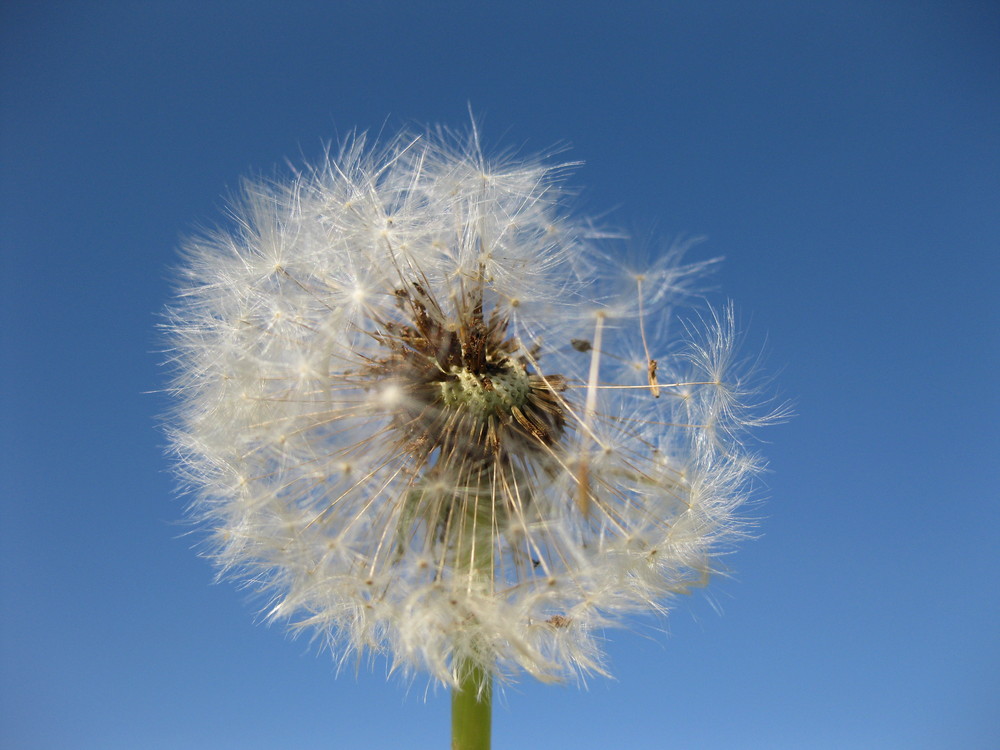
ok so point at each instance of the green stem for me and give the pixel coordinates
(471, 703)
(472, 697)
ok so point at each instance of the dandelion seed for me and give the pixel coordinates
(407, 413)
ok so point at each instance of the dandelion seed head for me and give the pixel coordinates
(427, 413)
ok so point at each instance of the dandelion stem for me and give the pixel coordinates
(471, 704)
(472, 697)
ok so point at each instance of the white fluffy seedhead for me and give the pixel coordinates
(416, 408)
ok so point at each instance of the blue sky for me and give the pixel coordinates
(843, 157)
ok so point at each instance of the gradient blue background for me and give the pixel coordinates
(844, 157)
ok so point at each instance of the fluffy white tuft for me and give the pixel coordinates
(418, 408)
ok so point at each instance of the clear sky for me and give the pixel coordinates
(844, 158)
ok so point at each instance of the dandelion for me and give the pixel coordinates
(425, 412)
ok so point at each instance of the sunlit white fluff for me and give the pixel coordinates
(431, 416)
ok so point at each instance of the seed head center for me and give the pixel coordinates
(498, 392)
